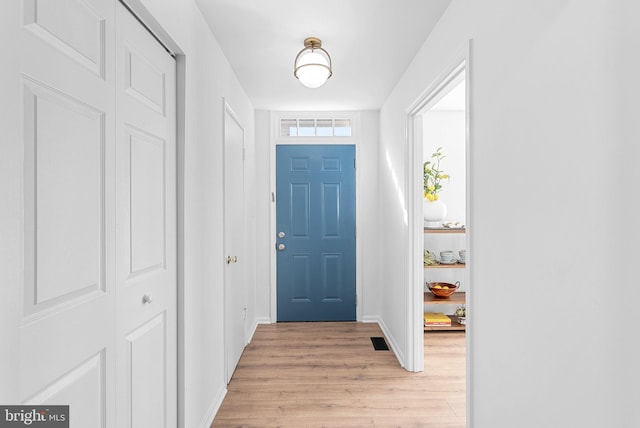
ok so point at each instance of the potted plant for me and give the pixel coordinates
(434, 209)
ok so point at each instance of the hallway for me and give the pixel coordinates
(328, 374)
(100, 199)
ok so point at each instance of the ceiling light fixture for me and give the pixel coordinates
(312, 66)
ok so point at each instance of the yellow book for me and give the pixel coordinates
(436, 319)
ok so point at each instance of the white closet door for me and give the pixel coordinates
(67, 332)
(146, 276)
(235, 286)
(98, 325)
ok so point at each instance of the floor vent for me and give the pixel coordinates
(379, 344)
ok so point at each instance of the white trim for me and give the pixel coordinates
(180, 230)
(273, 134)
(276, 139)
(212, 411)
(469, 235)
(458, 64)
(140, 12)
(351, 115)
(254, 327)
(389, 337)
(315, 121)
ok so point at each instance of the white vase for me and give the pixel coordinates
(434, 212)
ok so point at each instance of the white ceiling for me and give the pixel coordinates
(371, 43)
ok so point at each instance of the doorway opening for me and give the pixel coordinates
(444, 240)
(319, 132)
(439, 121)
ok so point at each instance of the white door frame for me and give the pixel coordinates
(460, 62)
(276, 139)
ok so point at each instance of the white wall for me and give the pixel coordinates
(10, 203)
(367, 228)
(263, 221)
(554, 94)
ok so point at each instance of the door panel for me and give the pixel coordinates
(315, 211)
(301, 278)
(146, 274)
(146, 359)
(75, 28)
(147, 198)
(81, 389)
(300, 204)
(67, 240)
(67, 340)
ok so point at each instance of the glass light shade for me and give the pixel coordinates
(312, 69)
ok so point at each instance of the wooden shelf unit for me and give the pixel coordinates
(444, 230)
(445, 266)
(458, 298)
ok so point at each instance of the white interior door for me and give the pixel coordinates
(146, 276)
(98, 326)
(67, 339)
(235, 293)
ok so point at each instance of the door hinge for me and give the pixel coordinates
(354, 163)
(273, 197)
(356, 300)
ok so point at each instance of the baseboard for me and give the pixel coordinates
(254, 326)
(213, 409)
(392, 342)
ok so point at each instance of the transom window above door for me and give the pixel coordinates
(310, 127)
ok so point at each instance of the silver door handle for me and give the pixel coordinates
(281, 247)
(147, 298)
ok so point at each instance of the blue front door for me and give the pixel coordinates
(315, 221)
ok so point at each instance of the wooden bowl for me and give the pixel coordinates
(443, 292)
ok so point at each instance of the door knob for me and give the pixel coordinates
(281, 247)
(147, 298)
(281, 235)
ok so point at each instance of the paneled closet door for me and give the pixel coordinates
(146, 275)
(98, 325)
(67, 332)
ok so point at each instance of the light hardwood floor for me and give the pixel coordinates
(329, 375)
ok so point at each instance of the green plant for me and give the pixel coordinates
(433, 176)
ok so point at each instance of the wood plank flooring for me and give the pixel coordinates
(329, 375)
